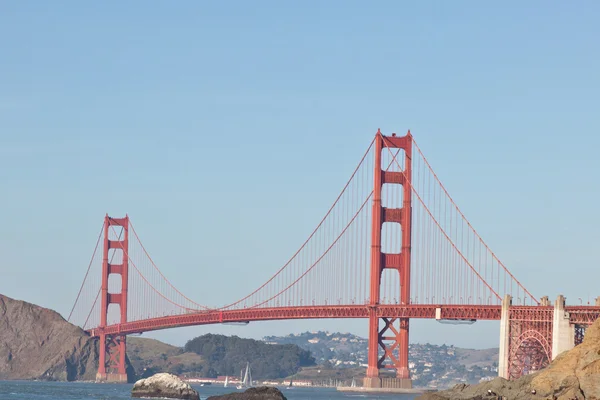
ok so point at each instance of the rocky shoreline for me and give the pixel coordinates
(574, 374)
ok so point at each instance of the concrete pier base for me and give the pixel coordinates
(371, 382)
(504, 337)
(563, 333)
(387, 383)
(114, 378)
(365, 390)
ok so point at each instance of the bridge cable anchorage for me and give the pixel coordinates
(309, 237)
(86, 273)
(162, 275)
(470, 226)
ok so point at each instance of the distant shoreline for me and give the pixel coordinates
(385, 390)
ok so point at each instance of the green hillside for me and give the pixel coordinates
(228, 355)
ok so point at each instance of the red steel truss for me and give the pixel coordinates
(530, 335)
(583, 315)
(530, 339)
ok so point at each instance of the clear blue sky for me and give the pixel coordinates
(226, 129)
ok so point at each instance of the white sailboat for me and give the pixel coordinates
(240, 385)
(226, 381)
(247, 379)
(353, 384)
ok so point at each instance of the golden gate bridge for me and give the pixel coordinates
(393, 246)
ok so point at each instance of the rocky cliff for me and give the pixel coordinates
(572, 375)
(37, 343)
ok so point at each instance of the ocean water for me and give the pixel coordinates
(19, 390)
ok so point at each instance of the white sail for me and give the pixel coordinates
(226, 381)
(246, 378)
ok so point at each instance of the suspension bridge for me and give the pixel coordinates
(393, 246)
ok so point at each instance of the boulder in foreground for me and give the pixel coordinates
(164, 386)
(255, 393)
(574, 374)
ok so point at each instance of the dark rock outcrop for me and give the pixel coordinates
(256, 393)
(574, 374)
(164, 386)
(38, 343)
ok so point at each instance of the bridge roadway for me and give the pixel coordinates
(454, 312)
(579, 314)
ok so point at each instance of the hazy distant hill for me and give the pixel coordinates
(343, 350)
(431, 365)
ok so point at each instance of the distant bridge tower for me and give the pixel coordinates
(112, 366)
(392, 335)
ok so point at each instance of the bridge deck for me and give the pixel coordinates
(579, 315)
(454, 312)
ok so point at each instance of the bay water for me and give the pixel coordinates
(27, 390)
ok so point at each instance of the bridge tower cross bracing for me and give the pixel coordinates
(392, 337)
(112, 351)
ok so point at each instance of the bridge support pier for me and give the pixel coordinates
(112, 356)
(531, 337)
(563, 333)
(525, 338)
(388, 383)
(504, 337)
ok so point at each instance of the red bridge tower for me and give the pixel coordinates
(390, 334)
(112, 347)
